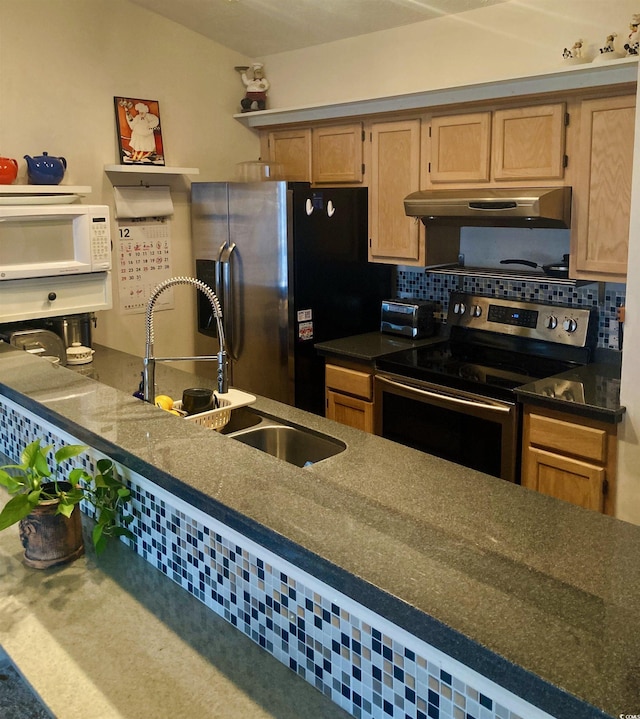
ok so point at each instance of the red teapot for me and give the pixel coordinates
(8, 170)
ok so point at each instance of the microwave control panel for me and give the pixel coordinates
(100, 243)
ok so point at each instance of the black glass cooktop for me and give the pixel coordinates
(483, 370)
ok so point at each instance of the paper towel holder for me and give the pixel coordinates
(141, 201)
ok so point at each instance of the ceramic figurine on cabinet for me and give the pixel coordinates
(574, 54)
(632, 46)
(256, 86)
(608, 50)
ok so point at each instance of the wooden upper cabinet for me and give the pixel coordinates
(395, 172)
(460, 148)
(322, 155)
(292, 149)
(602, 189)
(337, 154)
(506, 145)
(529, 143)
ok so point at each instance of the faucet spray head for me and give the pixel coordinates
(150, 360)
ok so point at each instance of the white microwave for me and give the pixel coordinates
(53, 240)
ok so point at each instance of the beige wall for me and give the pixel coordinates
(513, 39)
(61, 64)
(628, 496)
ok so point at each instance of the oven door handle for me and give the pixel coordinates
(493, 406)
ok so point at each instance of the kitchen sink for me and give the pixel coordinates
(291, 443)
(242, 418)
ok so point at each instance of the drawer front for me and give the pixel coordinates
(568, 438)
(359, 384)
(40, 297)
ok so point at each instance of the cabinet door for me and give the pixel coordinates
(565, 478)
(352, 411)
(460, 147)
(529, 143)
(602, 191)
(337, 153)
(292, 149)
(395, 172)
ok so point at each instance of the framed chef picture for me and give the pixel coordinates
(139, 131)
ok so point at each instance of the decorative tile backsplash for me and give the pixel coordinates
(362, 661)
(421, 285)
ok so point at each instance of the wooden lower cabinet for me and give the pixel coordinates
(349, 396)
(570, 458)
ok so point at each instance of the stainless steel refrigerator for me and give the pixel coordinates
(289, 265)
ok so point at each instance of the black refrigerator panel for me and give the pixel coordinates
(337, 292)
(206, 271)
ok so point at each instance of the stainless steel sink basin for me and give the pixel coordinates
(242, 418)
(291, 443)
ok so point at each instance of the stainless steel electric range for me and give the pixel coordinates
(456, 399)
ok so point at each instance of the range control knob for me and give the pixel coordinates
(459, 308)
(551, 322)
(476, 310)
(570, 325)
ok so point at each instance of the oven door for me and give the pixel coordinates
(478, 432)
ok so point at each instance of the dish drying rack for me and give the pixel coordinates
(217, 418)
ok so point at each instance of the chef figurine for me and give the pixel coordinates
(633, 43)
(257, 86)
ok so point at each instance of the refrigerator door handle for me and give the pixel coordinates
(226, 297)
(218, 275)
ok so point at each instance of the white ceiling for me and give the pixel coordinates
(264, 27)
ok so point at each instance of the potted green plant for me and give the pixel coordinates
(43, 504)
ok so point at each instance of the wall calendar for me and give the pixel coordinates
(144, 260)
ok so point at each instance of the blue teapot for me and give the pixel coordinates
(45, 170)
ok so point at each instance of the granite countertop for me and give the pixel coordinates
(138, 646)
(539, 595)
(591, 391)
(371, 345)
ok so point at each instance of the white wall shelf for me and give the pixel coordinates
(574, 77)
(151, 170)
(45, 190)
(127, 175)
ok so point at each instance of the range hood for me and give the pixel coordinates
(517, 207)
